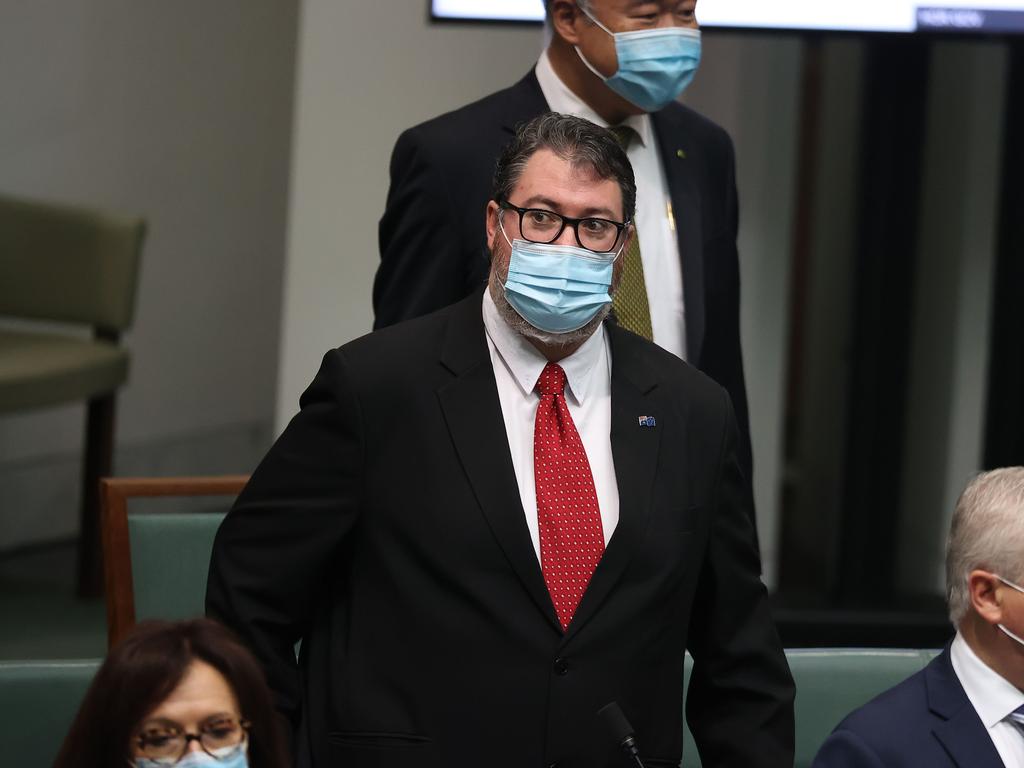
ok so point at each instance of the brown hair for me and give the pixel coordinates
(144, 669)
(580, 142)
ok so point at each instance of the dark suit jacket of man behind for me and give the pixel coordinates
(385, 528)
(433, 253)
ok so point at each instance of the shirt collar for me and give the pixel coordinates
(993, 696)
(525, 363)
(560, 98)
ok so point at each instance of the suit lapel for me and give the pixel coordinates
(680, 176)
(523, 101)
(959, 730)
(473, 413)
(635, 454)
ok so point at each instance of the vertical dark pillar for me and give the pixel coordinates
(1004, 435)
(801, 555)
(891, 152)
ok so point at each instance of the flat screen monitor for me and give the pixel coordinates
(932, 16)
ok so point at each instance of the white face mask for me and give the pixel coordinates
(1020, 589)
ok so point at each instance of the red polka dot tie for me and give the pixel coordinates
(571, 539)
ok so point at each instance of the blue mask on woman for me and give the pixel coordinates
(557, 288)
(235, 758)
(655, 65)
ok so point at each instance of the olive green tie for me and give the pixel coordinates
(630, 300)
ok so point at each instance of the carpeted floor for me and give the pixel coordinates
(40, 617)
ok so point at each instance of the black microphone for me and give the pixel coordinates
(621, 732)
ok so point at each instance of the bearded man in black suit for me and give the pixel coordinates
(488, 523)
(619, 63)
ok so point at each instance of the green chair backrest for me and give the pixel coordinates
(830, 683)
(64, 263)
(38, 702)
(170, 559)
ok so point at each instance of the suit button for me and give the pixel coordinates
(561, 666)
(552, 765)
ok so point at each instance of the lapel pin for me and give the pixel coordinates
(647, 421)
(680, 154)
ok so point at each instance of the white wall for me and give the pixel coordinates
(750, 85)
(179, 112)
(367, 71)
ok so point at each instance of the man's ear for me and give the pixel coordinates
(566, 18)
(628, 239)
(492, 220)
(620, 261)
(984, 589)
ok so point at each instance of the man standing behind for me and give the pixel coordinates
(966, 708)
(488, 523)
(618, 63)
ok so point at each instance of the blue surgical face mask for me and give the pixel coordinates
(655, 65)
(233, 757)
(1007, 632)
(557, 288)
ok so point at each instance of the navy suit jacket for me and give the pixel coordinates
(926, 721)
(433, 241)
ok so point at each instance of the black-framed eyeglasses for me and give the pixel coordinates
(222, 738)
(542, 226)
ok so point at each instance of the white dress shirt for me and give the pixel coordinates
(655, 220)
(993, 698)
(588, 371)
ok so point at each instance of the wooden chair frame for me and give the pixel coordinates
(114, 495)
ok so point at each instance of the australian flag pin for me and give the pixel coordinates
(647, 421)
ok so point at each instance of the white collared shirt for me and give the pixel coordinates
(588, 371)
(655, 221)
(993, 698)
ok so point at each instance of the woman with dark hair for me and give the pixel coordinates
(185, 694)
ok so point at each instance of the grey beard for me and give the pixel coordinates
(522, 326)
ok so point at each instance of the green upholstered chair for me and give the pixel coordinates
(831, 683)
(156, 562)
(68, 265)
(38, 701)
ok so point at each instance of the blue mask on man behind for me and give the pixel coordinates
(655, 65)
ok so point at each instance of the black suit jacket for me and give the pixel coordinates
(926, 721)
(385, 529)
(432, 236)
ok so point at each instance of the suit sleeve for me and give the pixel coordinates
(725, 362)
(422, 266)
(845, 749)
(726, 243)
(271, 555)
(740, 700)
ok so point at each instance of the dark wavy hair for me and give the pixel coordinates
(579, 142)
(144, 669)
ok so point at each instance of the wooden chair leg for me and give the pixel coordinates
(99, 453)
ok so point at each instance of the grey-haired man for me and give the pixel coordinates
(966, 708)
